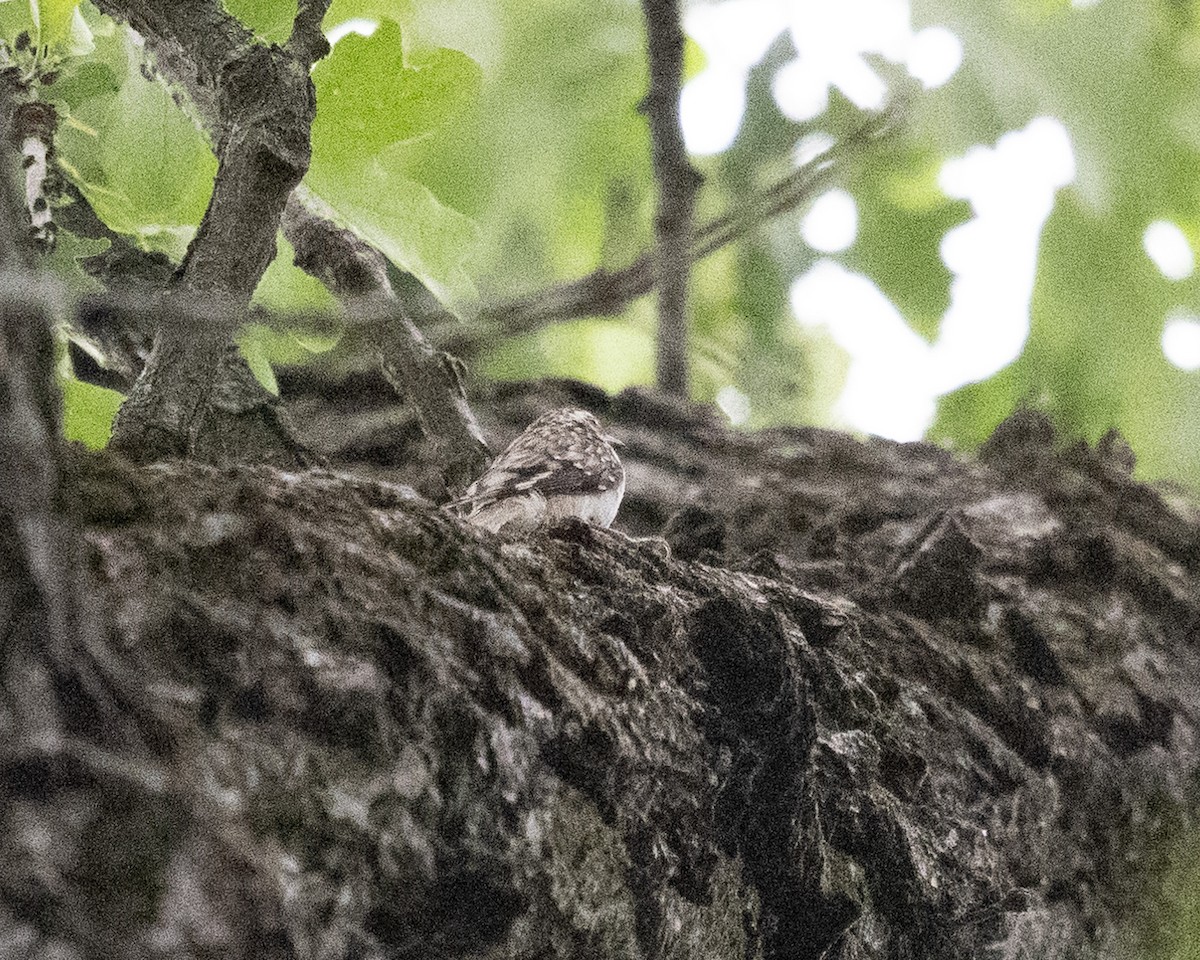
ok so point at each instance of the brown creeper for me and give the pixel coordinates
(563, 465)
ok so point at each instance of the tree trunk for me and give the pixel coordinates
(860, 699)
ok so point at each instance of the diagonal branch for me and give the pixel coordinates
(607, 292)
(677, 186)
(357, 274)
(601, 293)
(260, 103)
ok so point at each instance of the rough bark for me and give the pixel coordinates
(357, 274)
(260, 102)
(864, 700)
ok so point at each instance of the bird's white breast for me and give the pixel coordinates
(599, 508)
(526, 511)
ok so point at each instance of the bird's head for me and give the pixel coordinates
(584, 418)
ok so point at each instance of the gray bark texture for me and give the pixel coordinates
(195, 395)
(261, 101)
(845, 700)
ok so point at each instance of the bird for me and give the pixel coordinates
(562, 465)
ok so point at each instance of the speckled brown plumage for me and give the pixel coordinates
(562, 465)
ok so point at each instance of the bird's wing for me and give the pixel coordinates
(548, 459)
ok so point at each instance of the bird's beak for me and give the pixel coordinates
(614, 441)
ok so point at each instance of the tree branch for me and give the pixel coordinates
(48, 624)
(607, 292)
(677, 186)
(34, 126)
(357, 274)
(307, 42)
(11, 248)
(352, 269)
(260, 103)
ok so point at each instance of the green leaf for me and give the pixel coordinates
(135, 155)
(609, 354)
(1121, 78)
(80, 40)
(252, 341)
(90, 78)
(694, 60)
(56, 27)
(303, 303)
(554, 162)
(270, 19)
(285, 288)
(15, 17)
(264, 347)
(407, 222)
(64, 262)
(903, 218)
(54, 18)
(370, 96)
(342, 10)
(88, 412)
(967, 417)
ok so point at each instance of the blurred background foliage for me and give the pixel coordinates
(1026, 235)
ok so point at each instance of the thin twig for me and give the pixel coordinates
(12, 252)
(677, 186)
(604, 292)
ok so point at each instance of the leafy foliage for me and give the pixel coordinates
(54, 27)
(140, 161)
(1123, 80)
(372, 97)
(492, 147)
(88, 412)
